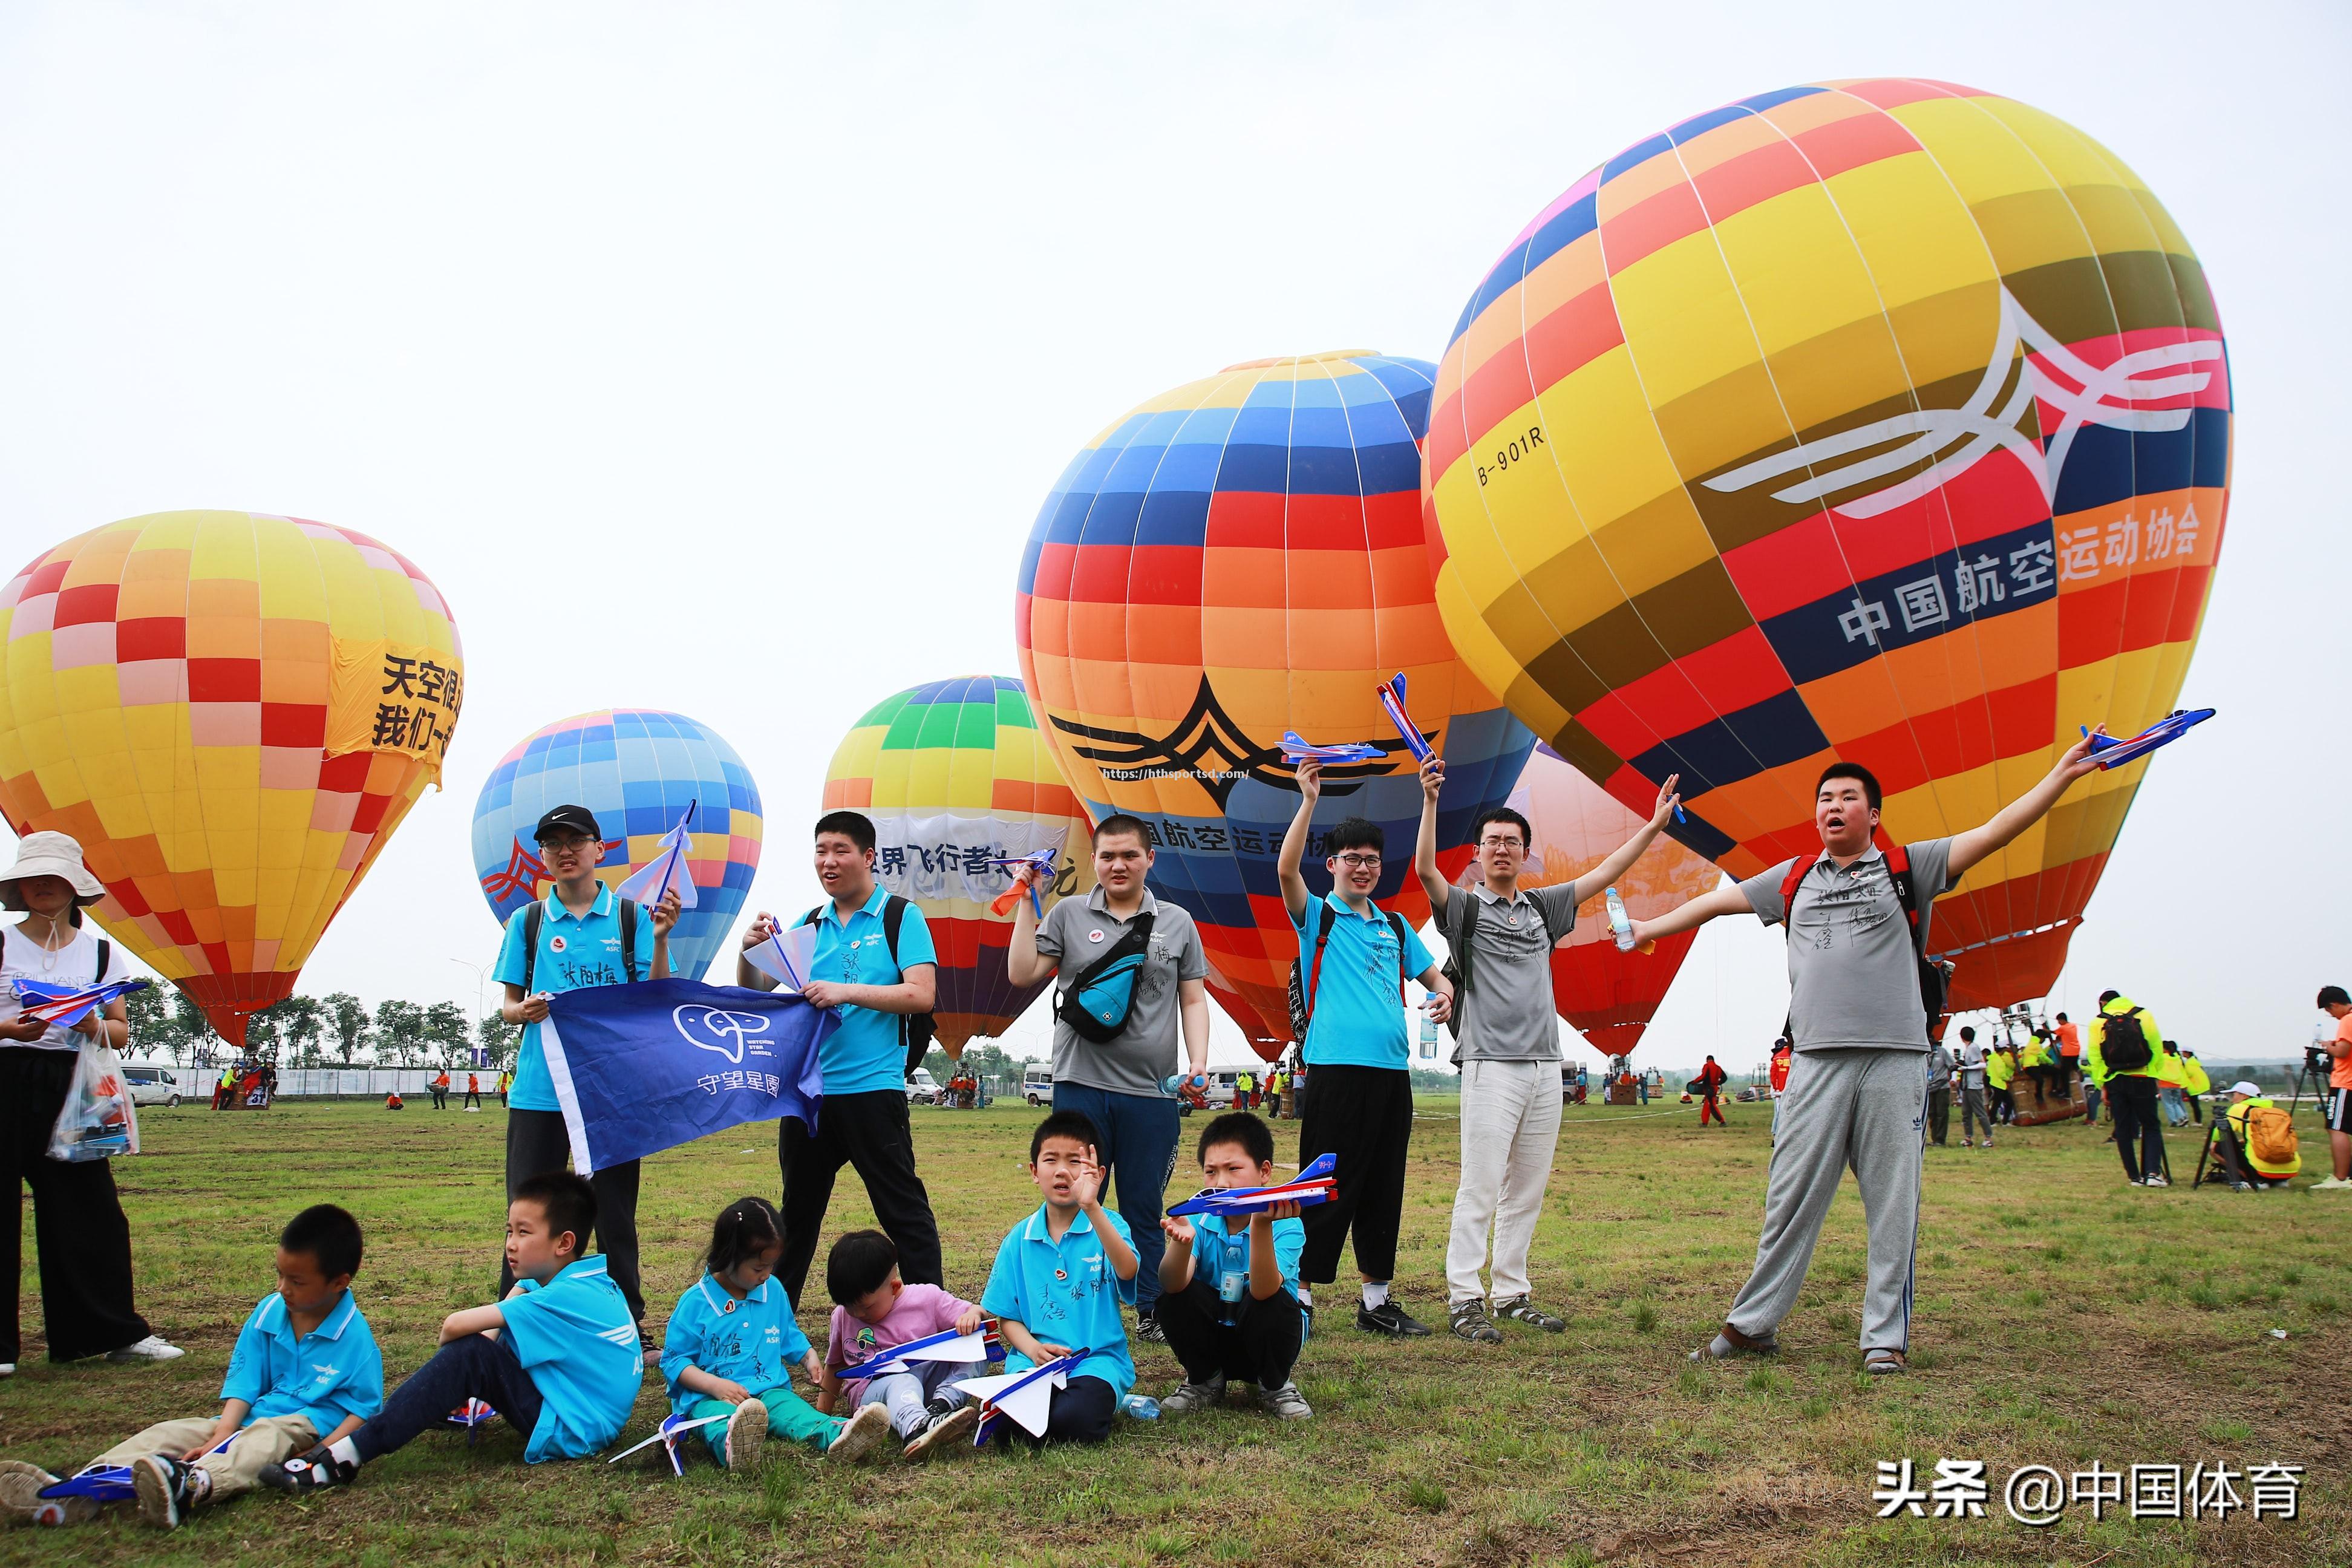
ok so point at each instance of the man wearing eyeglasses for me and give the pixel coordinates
(1510, 1052)
(1354, 958)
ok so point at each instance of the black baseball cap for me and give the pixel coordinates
(568, 819)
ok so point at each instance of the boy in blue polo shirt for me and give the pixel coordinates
(1059, 1278)
(875, 967)
(305, 1368)
(1354, 961)
(1230, 1289)
(558, 1358)
(580, 942)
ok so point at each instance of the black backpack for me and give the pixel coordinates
(2122, 1044)
(915, 1030)
(1303, 985)
(530, 921)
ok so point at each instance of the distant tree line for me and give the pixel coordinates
(334, 1030)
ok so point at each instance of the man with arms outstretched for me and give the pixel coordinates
(1858, 1090)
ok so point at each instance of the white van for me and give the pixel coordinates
(151, 1084)
(922, 1088)
(1037, 1085)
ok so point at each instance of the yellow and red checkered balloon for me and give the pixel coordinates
(1886, 421)
(232, 712)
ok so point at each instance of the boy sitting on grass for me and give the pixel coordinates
(305, 1363)
(875, 1310)
(1229, 1293)
(558, 1358)
(1059, 1278)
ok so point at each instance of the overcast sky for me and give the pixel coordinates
(782, 325)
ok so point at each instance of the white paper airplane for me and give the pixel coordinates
(787, 956)
(666, 870)
(1023, 1397)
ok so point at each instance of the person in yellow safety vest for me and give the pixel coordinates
(2131, 1052)
(2233, 1132)
(2195, 1082)
(2170, 1079)
(2040, 1063)
(2001, 1067)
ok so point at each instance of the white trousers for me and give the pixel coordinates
(1510, 1125)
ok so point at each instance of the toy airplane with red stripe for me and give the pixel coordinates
(951, 1347)
(468, 1418)
(65, 1005)
(102, 1483)
(1311, 1185)
(1023, 1398)
(1040, 866)
(1296, 750)
(672, 1431)
(2110, 753)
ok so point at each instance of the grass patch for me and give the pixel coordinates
(1604, 1443)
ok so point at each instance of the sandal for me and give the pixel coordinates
(1525, 1310)
(1884, 1363)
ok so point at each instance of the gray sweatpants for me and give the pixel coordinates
(1863, 1108)
(1973, 1114)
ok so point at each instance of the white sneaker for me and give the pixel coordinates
(2330, 1184)
(860, 1435)
(2155, 1181)
(7, 1369)
(747, 1436)
(154, 1347)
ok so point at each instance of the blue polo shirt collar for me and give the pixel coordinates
(1039, 1231)
(1340, 905)
(872, 906)
(601, 905)
(718, 1295)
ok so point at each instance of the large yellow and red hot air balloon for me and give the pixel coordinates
(1609, 997)
(1239, 557)
(1880, 420)
(232, 712)
(954, 775)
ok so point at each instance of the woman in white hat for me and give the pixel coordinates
(78, 1222)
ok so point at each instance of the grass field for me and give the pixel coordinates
(2062, 1318)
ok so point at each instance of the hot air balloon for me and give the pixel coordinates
(1879, 420)
(955, 776)
(640, 770)
(1240, 557)
(232, 712)
(1609, 995)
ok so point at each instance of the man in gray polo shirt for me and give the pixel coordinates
(1509, 1054)
(1119, 1084)
(1858, 1087)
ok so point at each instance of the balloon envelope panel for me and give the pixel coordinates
(1609, 995)
(953, 775)
(1239, 557)
(232, 712)
(637, 769)
(1884, 420)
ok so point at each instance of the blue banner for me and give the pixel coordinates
(644, 1067)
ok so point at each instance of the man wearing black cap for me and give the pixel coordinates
(579, 935)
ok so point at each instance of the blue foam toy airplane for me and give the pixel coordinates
(104, 1483)
(1311, 1185)
(1392, 695)
(65, 1005)
(2114, 753)
(951, 1347)
(468, 1418)
(1296, 750)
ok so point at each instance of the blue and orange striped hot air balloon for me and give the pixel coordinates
(1881, 420)
(1240, 557)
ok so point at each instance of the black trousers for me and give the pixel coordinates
(2133, 1101)
(79, 1227)
(473, 1099)
(475, 1367)
(1261, 1348)
(1939, 1114)
(870, 1133)
(1081, 1412)
(538, 1142)
(1364, 1115)
(440, 1097)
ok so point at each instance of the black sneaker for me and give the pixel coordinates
(1392, 1319)
(1148, 1330)
(166, 1490)
(313, 1471)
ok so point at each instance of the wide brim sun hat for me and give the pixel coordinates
(50, 855)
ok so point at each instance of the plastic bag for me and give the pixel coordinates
(98, 1122)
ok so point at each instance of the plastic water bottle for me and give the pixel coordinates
(1428, 1034)
(1142, 1406)
(1620, 923)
